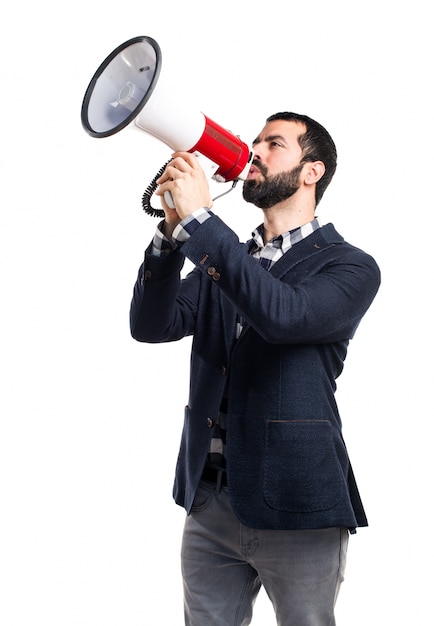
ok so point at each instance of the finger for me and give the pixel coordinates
(163, 187)
(184, 160)
(172, 171)
(166, 176)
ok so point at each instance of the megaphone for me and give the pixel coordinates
(125, 89)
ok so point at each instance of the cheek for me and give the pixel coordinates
(283, 163)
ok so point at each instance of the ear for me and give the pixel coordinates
(314, 172)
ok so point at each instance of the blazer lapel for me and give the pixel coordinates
(314, 244)
(310, 246)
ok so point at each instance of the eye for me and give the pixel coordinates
(275, 144)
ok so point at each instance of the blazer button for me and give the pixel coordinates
(216, 276)
(210, 422)
(211, 271)
(146, 276)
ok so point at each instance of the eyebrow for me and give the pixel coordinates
(270, 138)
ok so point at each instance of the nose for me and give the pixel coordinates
(256, 152)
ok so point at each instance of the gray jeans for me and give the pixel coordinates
(224, 565)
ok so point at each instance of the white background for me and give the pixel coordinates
(90, 419)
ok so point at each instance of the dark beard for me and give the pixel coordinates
(272, 190)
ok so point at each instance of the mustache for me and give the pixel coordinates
(260, 166)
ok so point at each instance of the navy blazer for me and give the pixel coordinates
(287, 463)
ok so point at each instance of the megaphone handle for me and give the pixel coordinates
(169, 199)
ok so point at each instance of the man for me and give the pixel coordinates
(263, 471)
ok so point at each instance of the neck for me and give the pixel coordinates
(281, 218)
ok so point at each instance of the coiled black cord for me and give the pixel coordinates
(146, 198)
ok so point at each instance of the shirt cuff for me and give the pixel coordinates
(190, 224)
(161, 245)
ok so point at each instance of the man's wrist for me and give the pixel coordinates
(167, 228)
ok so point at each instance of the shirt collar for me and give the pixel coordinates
(285, 240)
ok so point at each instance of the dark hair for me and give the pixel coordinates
(316, 144)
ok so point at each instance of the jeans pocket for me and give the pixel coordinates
(202, 498)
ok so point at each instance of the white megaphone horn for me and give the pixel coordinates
(125, 89)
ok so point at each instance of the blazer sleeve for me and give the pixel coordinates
(161, 309)
(320, 293)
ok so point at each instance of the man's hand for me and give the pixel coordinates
(185, 179)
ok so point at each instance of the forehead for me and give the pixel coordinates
(283, 129)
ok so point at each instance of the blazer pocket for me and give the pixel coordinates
(302, 473)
